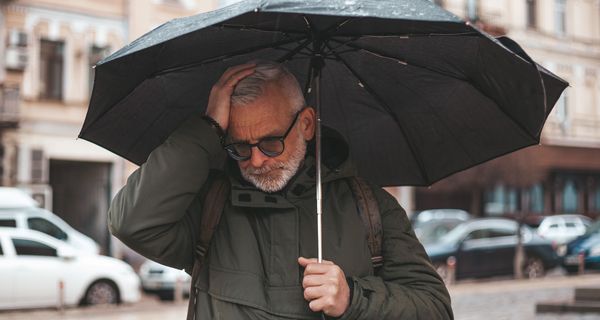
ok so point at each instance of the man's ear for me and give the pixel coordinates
(308, 120)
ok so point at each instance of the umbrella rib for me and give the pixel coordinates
(382, 55)
(464, 149)
(206, 61)
(390, 112)
(295, 51)
(242, 27)
(227, 56)
(410, 35)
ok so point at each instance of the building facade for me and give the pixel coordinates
(49, 48)
(562, 174)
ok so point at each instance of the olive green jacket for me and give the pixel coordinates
(252, 270)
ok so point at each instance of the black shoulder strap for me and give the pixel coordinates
(368, 209)
(212, 209)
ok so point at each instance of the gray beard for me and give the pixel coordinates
(267, 181)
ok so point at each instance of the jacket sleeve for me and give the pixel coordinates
(407, 286)
(156, 212)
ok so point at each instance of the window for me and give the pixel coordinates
(478, 234)
(25, 247)
(562, 114)
(531, 14)
(51, 69)
(47, 227)
(497, 233)
(473, 10)
(512, 204)
(495, 201)
(537, 198)
(8, 223)
(96, 54)
(560, 24)
(490, 233)
(570, 196)
(597, 198)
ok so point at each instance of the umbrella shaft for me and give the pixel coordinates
(316, 65)
(319, 190)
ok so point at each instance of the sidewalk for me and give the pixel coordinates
(516, 299)
(473, 300)
(148, 308)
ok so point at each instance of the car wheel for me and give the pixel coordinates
(572, 271)
(101, 292)
(166, 295)
(534, 268)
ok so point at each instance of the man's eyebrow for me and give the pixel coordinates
(270, 134)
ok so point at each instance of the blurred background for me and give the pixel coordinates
(48, 49)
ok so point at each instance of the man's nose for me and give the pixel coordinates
(257, 158)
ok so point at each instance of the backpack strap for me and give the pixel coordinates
(212, 209)
(368, 209)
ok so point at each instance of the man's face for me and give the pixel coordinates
(270, 116)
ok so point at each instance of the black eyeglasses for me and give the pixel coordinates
(269, 146)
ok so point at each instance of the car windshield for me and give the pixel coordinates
(460, 232)
(432, 231)
(456, 234)
(594, 228)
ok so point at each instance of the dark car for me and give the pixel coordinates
(431, 225)
(431, 231)
(588, 245)
(486, 247)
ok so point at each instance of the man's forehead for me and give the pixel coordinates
(255, 123)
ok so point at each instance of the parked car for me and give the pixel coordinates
(431, 225)
(436, 214)
(19, 210)
(563, 228)
(486, 247)
(431, 231)
(34, 266)
(588, 245)
(161, 280)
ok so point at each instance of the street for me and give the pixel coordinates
(471, 300)
(516, 299)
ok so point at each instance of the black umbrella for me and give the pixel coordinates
(418, 93)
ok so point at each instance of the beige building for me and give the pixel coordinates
(49, 49)
(563, 174)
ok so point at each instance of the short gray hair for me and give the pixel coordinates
(267, 72)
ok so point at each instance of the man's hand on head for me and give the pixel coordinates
(325, 287)
(219, 102)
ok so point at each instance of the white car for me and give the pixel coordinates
(161, 280)
(563, 228)
(19, 210)
(37, 270)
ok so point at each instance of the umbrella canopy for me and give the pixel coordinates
(418, 93)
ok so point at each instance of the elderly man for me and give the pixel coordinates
(261, 260)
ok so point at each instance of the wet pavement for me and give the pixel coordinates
(149, 308)
(471, 300)
(516, 299)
